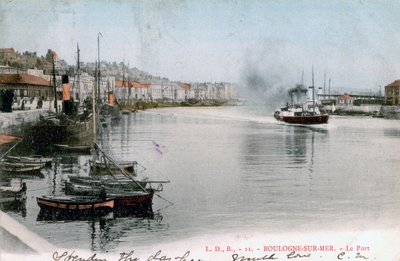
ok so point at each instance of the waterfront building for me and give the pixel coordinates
(131, 91)
(345, 100)
(392, 93)
(183, 92)
(23, 91)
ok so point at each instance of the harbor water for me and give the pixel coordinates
(234, 170)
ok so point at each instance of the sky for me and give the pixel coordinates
(355, 43)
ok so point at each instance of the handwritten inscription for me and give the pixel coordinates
(344, 255)
(236, 257)
(124, 256)
(73, 257)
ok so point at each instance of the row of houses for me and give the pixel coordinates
(34, 84)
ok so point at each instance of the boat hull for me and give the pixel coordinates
(133, 201)
(318, 119)
(72, 188)
(75, 205)
(20, 167)
(62, 131)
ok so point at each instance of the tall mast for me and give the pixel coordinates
(324, 82)
(302, 77)
(129, 89)
(329, 88)
(313, 91)
(53, 56)
(78, 72)
(98, 66)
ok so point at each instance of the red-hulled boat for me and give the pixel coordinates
(76, 204)
(302, 109)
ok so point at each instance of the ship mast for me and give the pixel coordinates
(313, 100)
(53, 56)
(78, 69)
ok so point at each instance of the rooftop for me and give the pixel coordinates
(23, 79)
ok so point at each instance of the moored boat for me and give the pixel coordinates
(134, 200)
(76, 204)
(92, 185)
(109, 168)
(8, 166)
(36, 159)
(73, 148)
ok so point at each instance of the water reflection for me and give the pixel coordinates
(296, 146)
(106, 231)
(392, 133)
(13, 195)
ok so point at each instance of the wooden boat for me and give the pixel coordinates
(134, 200)
(37, 159)
(92, 185)
(124, 197)
(73, 148)
(20, 167)
(104, 168)
(76, 204)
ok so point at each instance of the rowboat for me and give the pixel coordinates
(36, 159)
(104, 168)
(73, 148)
(8, 166)
(135, 200)
(76, 204)
(92, 185)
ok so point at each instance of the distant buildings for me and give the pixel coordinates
(35, 84)
(7, 53)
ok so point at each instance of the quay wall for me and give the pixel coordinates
(14, 122)
(355, 110)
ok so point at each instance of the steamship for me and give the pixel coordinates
(301, 109)
(69, 128)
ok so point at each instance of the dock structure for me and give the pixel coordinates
(16, 238)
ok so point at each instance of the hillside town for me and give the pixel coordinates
(34, 85)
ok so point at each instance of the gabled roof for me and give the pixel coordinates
(23, 79)
(344, 96)
(396, 83)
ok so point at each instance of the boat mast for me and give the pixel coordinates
(53, 56)
(313, 100)
(329, 88)
(98, 66)
(78, 68)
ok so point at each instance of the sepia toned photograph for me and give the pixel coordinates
(184, 130)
